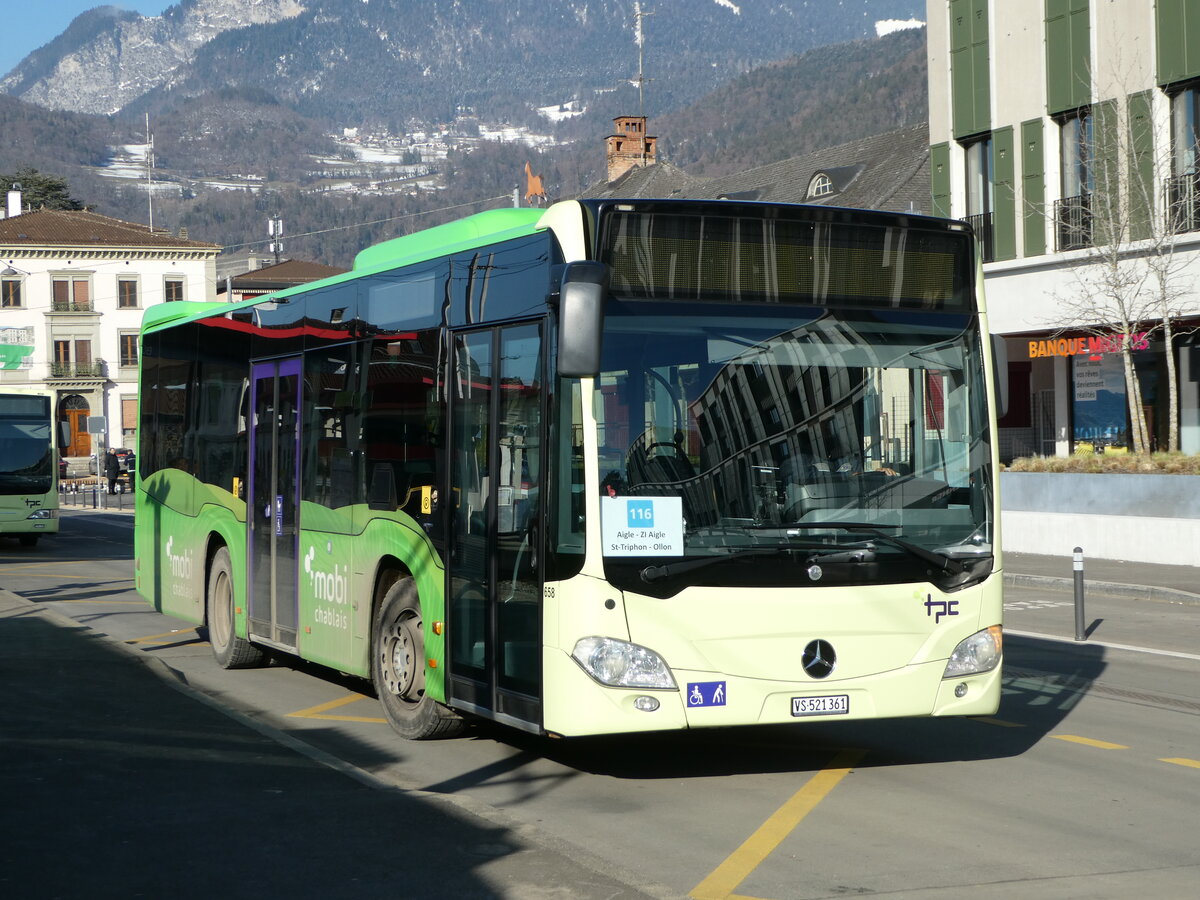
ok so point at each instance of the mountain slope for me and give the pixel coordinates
(109, 57)
(823, 98)
(385, 61)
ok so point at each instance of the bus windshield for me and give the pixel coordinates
(26, 458)
(791, 436)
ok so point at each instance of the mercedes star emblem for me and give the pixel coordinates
(818, 659)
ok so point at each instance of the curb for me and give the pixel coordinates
(1106, 588)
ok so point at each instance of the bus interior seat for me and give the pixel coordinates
(382, 492)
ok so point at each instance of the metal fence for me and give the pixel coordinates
(92, 493)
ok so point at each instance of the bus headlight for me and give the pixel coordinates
(622, 664)
(44, 514)
(976, 654)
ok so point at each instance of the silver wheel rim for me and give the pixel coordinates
(403, 660)
(222, 613)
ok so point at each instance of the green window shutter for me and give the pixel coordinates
(1004, 215)
(1068, 55)
(970, 92)
(1141, 166)
(1033, 175)
(979, 65)
(1108, 214)
(962, 86)
(1177, 26)
(939, 165)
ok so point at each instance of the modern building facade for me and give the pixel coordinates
(1067, 133)
(73, 286)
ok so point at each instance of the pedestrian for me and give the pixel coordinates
(112, 470)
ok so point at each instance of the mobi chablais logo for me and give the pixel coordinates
(180, 564)
(328, 587)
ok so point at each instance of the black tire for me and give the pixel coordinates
(398, 668)
(29, 540)
(229, 650)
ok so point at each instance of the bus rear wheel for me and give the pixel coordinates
(230, 651)
(398, 668)
(28, 540)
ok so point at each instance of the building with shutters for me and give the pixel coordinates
(73, 286)
(1067, 133)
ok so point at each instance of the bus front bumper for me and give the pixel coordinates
(577, 705)
(22, 521)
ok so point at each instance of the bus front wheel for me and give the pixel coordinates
(398, 668)
(231, 651)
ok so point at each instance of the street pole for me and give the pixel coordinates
(1080, 629)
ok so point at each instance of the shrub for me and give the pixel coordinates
(1111, 463)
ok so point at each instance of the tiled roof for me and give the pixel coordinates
(78, 228)
(285, 274)
(888, 171)
(661, 180)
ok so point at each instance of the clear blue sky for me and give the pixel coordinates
(28, 24)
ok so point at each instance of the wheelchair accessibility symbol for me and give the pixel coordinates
(705, 693)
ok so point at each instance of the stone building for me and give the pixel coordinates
(73, 286)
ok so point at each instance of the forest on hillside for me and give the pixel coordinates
(820, 99)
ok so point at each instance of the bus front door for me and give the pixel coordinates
(494, 578)
(273, 502)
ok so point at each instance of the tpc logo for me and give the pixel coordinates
(943, 607)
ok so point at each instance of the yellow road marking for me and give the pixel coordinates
(73, 600)
(21, 567)
(1181, 761)
(719, 885)
(59, 575)
(165, 634)
(1090, 742)
(318, 712)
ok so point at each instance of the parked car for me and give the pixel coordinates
(126, 458)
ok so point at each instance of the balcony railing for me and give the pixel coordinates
(71, 306)
(982, 226)
(1073, 222)
(1183, 203)
(94, 369)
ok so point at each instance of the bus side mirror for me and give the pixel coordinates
(1000, 372)
(580, 319)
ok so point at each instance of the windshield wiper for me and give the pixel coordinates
(815, 553)
(944, 563)
(651, 574)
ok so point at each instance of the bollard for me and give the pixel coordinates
(1080, 630)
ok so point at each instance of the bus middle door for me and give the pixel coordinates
(494, 578)
(273, 501)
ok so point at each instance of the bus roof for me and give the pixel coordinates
(482, 228)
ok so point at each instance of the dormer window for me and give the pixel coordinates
(820, 186)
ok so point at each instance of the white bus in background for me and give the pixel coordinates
(28, 465)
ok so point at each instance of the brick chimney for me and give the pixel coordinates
(630, 146)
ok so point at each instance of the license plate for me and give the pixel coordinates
(828, 705)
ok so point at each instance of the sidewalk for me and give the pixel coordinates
(1109, 577)
(1126, 606)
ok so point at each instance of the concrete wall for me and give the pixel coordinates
(1139, 518)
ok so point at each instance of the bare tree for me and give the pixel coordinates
(1128, 279)
(1169, 280)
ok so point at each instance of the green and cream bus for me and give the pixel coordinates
(28, 464)
(605, 467)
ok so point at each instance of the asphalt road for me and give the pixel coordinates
(133, 765)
